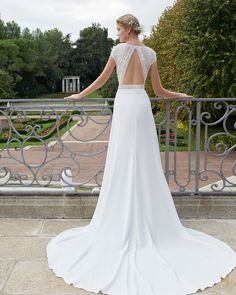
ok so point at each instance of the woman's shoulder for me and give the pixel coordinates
(117, 45)
(121, 48)
(123, 44)
(150, 49)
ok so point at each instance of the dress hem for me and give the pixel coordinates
(195, 290)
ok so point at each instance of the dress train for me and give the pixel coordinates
(135, 243)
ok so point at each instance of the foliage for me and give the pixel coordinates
(109, 89)
(37, 61)
(6, 85)
(164, 39)
(10, 30)
(207, 48)
(195, 45)
(90, 53)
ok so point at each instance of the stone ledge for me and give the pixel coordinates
(83, 206)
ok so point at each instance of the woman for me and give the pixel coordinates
(135, 243)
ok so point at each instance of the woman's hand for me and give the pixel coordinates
(186, 95)
(181, 95)
(73, 97)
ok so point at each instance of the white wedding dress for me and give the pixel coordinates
(135, 243)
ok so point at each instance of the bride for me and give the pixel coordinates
(135, 243)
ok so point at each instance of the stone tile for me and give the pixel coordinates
(36, 278)
(233, 246)
(12, 227)
(226, 286)
(43, 279)
(22, 248)
(210, 291)
(224, 230)
(5, 270)
(52, 227)
(32, 276)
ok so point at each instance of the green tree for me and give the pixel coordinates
(18, 59)
(26, 34)
(11, 30)
(36, 61)
(164, 39)
(90, 53)
(109, 89)
(27, 57)
(1, 29)
(6, 85)
(53, 50)
(195, 45)
(207, 48)
(9, 58)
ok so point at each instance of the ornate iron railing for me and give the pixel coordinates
(51, 146)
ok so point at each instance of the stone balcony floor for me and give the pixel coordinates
(23, 261)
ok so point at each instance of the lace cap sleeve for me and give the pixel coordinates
(114, 52)
(154, 57)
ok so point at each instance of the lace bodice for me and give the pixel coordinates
(122, 54)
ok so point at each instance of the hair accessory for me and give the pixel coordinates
(134, 25)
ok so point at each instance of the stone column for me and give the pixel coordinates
(67, 86)
(63, 85)
(70, 85)
(74, 85)
(78, 85)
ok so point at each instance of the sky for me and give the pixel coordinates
(71, 16)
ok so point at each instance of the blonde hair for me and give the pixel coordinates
(129, 20)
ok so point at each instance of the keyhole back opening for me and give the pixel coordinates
(134, 71)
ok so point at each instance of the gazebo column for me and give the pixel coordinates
(74, 85)
(78, 85)
(71, 84)
(63, 85)
(67, 85)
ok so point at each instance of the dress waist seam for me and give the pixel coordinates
(131, 86)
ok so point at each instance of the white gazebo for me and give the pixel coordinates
(71, 84)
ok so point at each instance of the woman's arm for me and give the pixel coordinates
(158, 88)
(99, 82)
